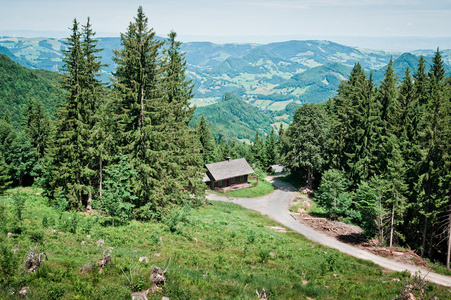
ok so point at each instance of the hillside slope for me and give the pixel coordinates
(232, 117)
(18, 85)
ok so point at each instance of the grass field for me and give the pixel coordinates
(221, 251)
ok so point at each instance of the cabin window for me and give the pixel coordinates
(242, 178)
(219, 182)
(233, 180)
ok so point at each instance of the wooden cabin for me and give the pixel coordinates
(228, 173)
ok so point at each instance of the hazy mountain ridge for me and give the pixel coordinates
(268, 76)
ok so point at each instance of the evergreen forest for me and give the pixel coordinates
(379, 156)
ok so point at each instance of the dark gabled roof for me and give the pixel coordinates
(229, 169)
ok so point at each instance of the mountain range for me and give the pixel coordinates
(268, 76)
(275, 77)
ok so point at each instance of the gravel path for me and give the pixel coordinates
(275, 206)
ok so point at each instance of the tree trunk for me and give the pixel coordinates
(309, 177)
(449, 241)
(141, 113)
(88, 205)
(392, 224)
(423, 244)
(381, 220)
(100, 177)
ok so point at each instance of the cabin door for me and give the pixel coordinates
(228, 182)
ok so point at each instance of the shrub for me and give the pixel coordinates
(8, 267)
(179, 215)
(19, 204)
(36, 236)
(264, 255)
(251, 237)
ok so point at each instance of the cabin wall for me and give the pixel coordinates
(229, 182)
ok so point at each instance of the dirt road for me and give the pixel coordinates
(276, 205)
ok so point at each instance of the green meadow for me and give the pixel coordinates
(219, 251)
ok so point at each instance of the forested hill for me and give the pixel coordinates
(232, 117)
(18, 85)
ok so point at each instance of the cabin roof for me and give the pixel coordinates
(229, 169)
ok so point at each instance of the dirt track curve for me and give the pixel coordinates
(276, 205)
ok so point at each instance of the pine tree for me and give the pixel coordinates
(346, 116)
(5, 181)
(21, 158)
(153, 111)
(258, 151)
(270, 145)
(207, 142)
(437, 71)
(305, 141)
(74, 164)
(431, 167)
(38, 127)
(387, 123)
(139, 108)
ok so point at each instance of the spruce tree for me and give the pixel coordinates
(347, 115)
(409, 140)
(21, 158)
(74, 162)
(361, 159)
(258, 151)
(437, 69)
(270, 145)
(396, 201)
(185, 149)
(431, 167)
(38, 127)
(305, 142)
(207, 142)
(5, 181)
(139, 108)
(153, 110)
(421, 83)
(387, 123)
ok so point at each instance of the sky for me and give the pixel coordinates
(221, 21)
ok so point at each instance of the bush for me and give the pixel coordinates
(19, 204)
(36, 236)
(264, 255)
(176, 217)
(8, 265)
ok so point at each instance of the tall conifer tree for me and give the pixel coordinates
(153, 110)
(74, 161)
(206, 139)
(431, 166)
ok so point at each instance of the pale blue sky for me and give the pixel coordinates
(237, 20)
